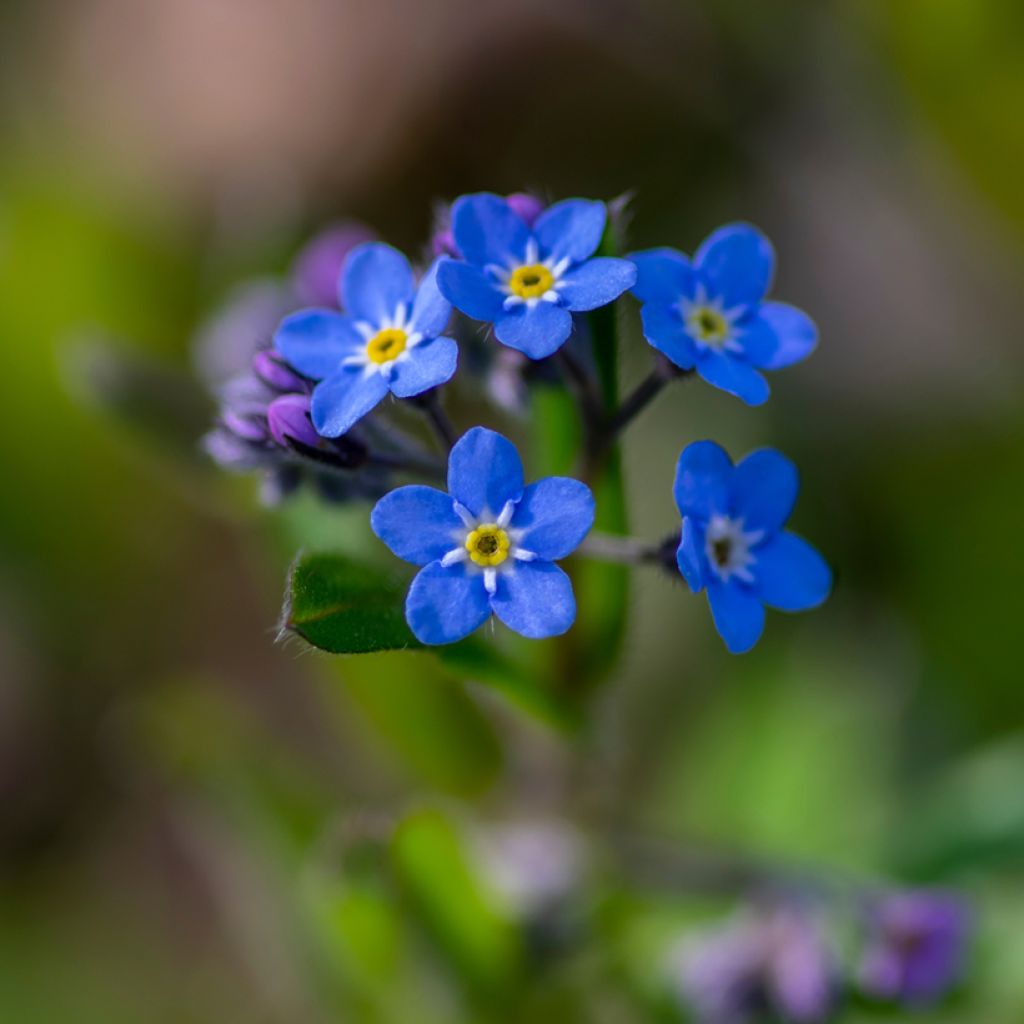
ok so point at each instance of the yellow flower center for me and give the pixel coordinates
(531, 281)
(708, 325)
(386, 345)
(488, 544)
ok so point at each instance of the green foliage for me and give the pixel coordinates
(432, 867)
(345, 608)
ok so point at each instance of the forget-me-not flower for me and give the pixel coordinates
(487, 546)
(733, 542)
(529, 280)
(709, 314)
(388, 339)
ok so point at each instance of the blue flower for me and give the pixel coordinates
(709, 315)
(733, 543)
(388, 339)
(529, 280)
(489, 545)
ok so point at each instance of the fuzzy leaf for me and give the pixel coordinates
(344, 607)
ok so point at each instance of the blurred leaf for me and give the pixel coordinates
(343, 607)
(141, 391)
(763, 770)
(483, 662)
(971, 818)
(426, 715)
(431, 865)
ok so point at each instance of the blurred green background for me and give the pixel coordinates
(202, 826)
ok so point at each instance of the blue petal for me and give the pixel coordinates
(418, 523)
(535, 599)
(703, 484)
(344, 399)
(778, 335)
(663, 275)
(737, 263)
(790, 574)
(315, 341)
(470, 290)
(445, 605)
(484, 472)
(663, 328)
(428, 364)
(689, 555)
(431, 311)
(571, 228)
(376, 280)
(487, 230)
(536, 332)
(555, 514)
(738, 614)
(734, 375)
(595, 283)
(764, 489)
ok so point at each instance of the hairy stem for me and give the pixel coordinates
(430, 403)
(642, 396)
(583, 388)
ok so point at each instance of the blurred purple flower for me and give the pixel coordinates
(916, 946)
(317, 268)
(776, 963)
(532, 865)
(245, 321)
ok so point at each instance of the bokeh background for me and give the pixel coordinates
(191, 813)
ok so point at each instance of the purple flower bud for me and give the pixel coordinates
(777, 962)
(527, 206)
(288, 417)
(916, 947)
(276, 373)
(317, 267)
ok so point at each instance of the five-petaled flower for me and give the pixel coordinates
(388, 339)
(489, 545)
(529, 280)
(733, 544)
(709, 314)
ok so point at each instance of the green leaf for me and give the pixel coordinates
(433, 869)
(344, 607)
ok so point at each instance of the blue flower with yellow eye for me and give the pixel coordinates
(388, 339)
(733, 542)
(529, 280)
(489, 545)
(708, 314)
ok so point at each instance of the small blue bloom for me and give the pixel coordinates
(733, 543)
(528, 280)
(916, 948)
(488, 545)
(388, 339)
(709, 314)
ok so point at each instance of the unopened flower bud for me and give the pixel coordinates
(288, 417)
